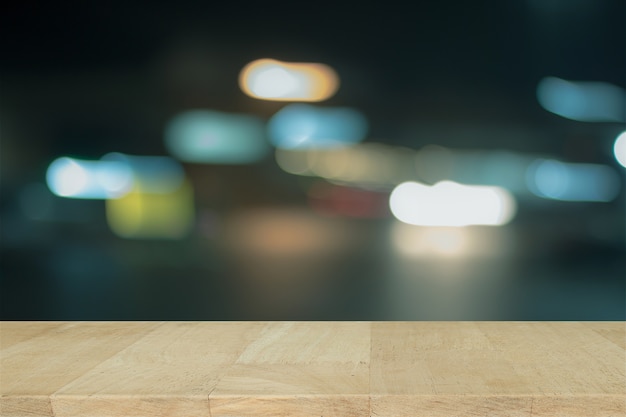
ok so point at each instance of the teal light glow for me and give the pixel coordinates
(302, 126)
(582, 101)
(155, 174)
(548, 178)
(204, 136)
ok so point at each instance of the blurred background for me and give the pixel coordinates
(253, 161)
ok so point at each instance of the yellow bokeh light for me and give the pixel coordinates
(140, 214)
(269, 79)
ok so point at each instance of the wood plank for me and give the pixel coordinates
(506, 369)
(13, 332)
(304, 369)
(431, 369)
(33, 369)
(170, 371)
(560, 358)
(25, 405)
(613, 331)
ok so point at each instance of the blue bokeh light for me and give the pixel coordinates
(556, 180)
(76, 178)
(582, 101)
(302, 126)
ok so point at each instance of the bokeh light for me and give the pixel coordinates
(582, 101)
(552, 179)
(75, 178)
(159, 203)
(282, 233)
(434, 243)
(451, 204)
(269, 79)
(301, 126)
(239, 188)
(375, 165)
(143, 214)
(206, 136)
(619, 149)
(157, 174)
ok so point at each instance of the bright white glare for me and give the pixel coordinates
(300, 126)
(270, 79)
(66, 177)
(74, 178)
(451, 204)
(548, 178)
(582, 101)
(275, 82)
(205, 136)
(619, 149)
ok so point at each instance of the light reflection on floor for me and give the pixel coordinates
(295, 264)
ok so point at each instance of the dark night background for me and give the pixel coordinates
(87, 78)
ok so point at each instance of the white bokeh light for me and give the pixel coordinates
(274, 82)
(270, 79)
(451, 204)
(619, 149)
(66, 177)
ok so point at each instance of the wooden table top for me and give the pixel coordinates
(313, 369)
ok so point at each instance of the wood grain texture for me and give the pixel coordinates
(170, 371)
(433, 369)
(310, 369)
(35, 368)
(13, 332)
(517, 368)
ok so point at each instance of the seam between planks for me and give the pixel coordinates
(53, 396)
